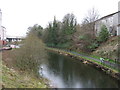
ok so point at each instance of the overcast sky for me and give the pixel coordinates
(18, 15)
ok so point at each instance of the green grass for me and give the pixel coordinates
(13, 79)
(97, 57)
(102, 64)
(106, 59)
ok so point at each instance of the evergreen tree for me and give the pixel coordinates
(52, 38)
(104, 34)
(68, 29)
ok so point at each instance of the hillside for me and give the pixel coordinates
(15, 78)
(108, 49)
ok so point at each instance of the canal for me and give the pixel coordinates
(66, 72)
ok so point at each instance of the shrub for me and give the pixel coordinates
(104, 34)
(31, 54)
(93, 46)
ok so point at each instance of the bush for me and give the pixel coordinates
(64, 45)
(93, 46)
(31, 54)
(104, 34)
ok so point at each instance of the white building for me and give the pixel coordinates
(119, 18)
(14, 38)
(111, 21)
(3, 35)
(0, 23)
(2, 29)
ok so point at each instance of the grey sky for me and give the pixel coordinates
(18, 15)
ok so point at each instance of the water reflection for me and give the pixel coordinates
(65, 72)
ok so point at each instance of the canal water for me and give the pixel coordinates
(65, 72)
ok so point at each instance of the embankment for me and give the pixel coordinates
(15, 78)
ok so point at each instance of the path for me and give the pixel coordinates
(111, 64)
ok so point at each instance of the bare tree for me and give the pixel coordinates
(84, 38)
(89, 20)
(91, 16)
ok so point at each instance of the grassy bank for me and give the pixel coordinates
(86, 60)
(15, 79)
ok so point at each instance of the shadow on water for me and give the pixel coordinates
(64, 72)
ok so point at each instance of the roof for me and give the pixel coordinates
(107, 16)
(14, 36)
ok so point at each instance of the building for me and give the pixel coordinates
(2, 31)
(3, 35)
(14, 38)
(111, 21)
(119, 18)
(0, 23)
